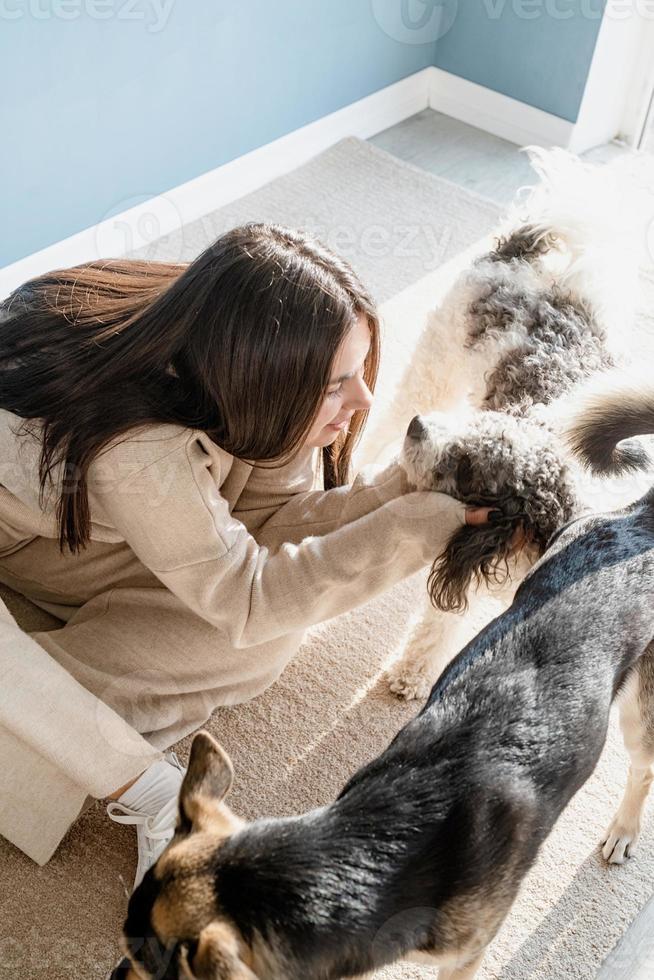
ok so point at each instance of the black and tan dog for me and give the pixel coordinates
(423, 852)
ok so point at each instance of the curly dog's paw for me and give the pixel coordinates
(410, 680)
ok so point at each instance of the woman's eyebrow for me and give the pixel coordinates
(343, 377)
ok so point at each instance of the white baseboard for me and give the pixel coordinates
(165, 213)
(495, 113)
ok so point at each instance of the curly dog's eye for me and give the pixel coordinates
(464, 476)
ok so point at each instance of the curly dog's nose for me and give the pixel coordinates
(417, 429)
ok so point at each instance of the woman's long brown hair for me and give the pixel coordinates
(239, 343)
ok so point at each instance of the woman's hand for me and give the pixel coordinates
(477, 516)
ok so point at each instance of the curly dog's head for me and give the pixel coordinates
(488, 459)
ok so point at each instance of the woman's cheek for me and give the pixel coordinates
(332, 408)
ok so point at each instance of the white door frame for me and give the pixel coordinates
(621, 77)
(640, 89)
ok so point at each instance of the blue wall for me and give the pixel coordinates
(536, 51)
(103, 113)
(109, 102)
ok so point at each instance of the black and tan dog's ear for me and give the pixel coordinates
(207, 782)
(218, 956)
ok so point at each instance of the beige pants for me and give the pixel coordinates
(85, 708)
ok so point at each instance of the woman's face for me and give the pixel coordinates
(347, 391)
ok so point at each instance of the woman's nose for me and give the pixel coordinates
(417, 428)
(362, 398)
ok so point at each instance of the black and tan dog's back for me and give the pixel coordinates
(424, 850)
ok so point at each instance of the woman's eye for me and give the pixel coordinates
(336, 392)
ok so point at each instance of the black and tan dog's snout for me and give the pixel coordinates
(417, 429)
(123, 971)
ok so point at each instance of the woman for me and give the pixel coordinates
(164, 429)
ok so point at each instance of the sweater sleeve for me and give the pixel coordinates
(208, 558)
(277, 508)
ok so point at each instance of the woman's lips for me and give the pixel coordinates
(339, 425)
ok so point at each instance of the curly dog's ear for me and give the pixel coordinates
(478, 552)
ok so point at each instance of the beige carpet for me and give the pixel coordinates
(295, 746)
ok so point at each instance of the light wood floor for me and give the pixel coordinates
(467, 156)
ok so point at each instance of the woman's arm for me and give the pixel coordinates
(278, 506)
(206, 557)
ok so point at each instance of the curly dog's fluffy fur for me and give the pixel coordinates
(515, 341)
(490, 458)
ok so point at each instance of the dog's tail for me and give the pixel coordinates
(577, 204)
(524, 241)
(614, 409)
(593, 221)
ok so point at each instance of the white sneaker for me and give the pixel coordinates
(154, 831)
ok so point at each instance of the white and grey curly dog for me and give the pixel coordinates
(503, 358)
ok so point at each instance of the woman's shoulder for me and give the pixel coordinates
(150, 438)
(150, 445)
